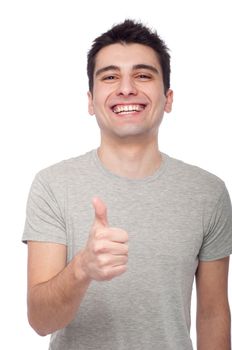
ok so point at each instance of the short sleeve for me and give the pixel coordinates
(44, 219)
(217, 242)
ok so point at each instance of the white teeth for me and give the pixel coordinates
(128, 108)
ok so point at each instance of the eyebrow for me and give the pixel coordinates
(105, 69)
(135, 67)
(146, 66)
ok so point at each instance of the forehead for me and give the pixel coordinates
(126, 55)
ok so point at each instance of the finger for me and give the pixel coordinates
(116, 234)
(109, 260)
(114, 248)
(120, 260)
(100, 212)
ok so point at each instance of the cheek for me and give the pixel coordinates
(99, 100)
(158, 101)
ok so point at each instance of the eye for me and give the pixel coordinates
(109, 77)
(143, 76)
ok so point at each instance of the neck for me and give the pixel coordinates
(134, 161)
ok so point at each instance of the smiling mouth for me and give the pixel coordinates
(127, 109)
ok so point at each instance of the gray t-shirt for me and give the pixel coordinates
(179, 215)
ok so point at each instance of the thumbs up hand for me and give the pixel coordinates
(106, 253)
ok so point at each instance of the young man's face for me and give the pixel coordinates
(128, 97)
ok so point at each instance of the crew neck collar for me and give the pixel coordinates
(105, 171)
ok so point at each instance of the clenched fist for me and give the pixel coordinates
(105, 255)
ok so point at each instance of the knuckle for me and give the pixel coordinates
(106, 275)
(99, 234)
(99, 247)
(102, 260)
(103, 248)
(95, 248)
(123, 269)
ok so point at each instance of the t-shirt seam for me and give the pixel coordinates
(47, 184)
(28, 234)
(67, 216)
(225, 253)
(127, 181)
(214, 210)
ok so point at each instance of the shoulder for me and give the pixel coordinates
(59, 173)
(195, 179)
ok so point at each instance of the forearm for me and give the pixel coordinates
(53, 304)
(213, 332)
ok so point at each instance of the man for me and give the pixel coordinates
(116, 236)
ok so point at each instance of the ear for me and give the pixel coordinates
(169, 101)
(90, 103)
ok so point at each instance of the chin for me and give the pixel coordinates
(131, 133)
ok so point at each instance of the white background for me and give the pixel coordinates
(44, 118)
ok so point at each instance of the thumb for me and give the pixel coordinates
(100, 212)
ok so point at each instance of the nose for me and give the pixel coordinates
(126, 87)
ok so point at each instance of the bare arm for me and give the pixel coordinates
(213, 311)
(55, 291)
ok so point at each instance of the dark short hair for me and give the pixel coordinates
(129, 32)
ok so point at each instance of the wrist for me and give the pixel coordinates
(79, 270)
